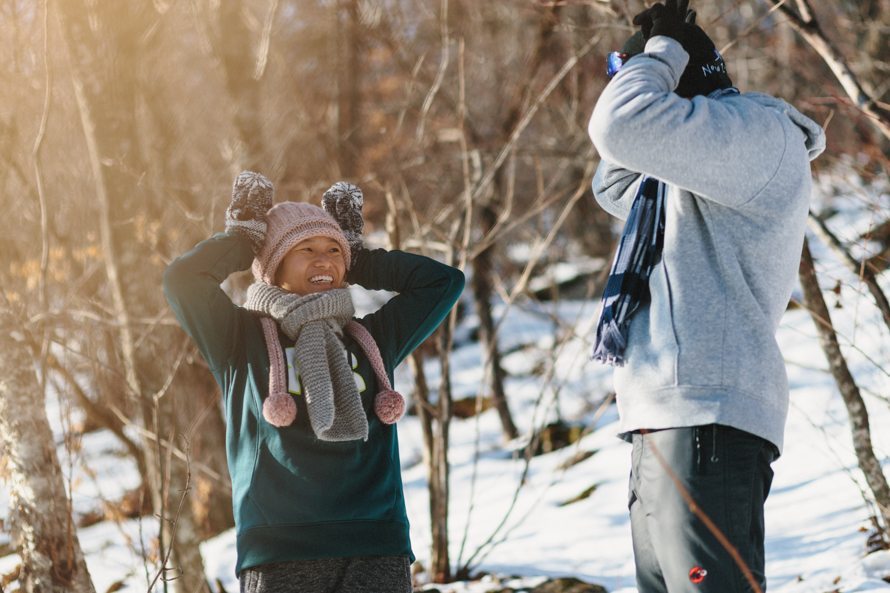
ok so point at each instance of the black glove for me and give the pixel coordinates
(671, 19)
(344, 201)
(252, 196)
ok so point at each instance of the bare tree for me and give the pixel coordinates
(491, 210)
(40, 509)
(807, 25)
(349, 79)
(105, 97)
(856, 409)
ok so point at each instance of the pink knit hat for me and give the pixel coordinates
(288, 223)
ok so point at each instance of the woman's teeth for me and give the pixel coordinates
(321, 279)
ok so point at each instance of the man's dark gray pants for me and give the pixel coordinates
(727, 473)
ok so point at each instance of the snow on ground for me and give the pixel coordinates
(817, 516)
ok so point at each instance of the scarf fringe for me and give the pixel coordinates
(611, 344)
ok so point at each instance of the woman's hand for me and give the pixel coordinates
(344, 201)
(252, 196)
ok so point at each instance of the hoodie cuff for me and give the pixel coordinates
(671, 52)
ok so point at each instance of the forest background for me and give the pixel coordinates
(122, 125)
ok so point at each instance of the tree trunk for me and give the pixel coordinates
(235, 51)
(439, 489)
(482, 281)
(434, 423)
(212, 494)
(40, 510)
(349, 91)
(483, 264)
(432, 457)
(105, 95)
(211, 498)
(865, 455)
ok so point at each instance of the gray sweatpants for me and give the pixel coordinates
(727, 473)
(372, 574)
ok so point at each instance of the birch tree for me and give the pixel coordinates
(40, 509)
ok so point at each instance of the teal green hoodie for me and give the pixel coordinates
(294, 496)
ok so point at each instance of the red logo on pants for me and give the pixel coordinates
(697, 574)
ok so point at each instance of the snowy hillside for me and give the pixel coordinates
(817, 520)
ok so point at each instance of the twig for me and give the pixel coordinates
(493, 540)
(153, 437)
(704, 518)
(864, 270)
(869, 503)
(41, 196)
(809, 28)
(265, 41)
(166, 555)
(752, 27)
(440, 74)
(164, 318)
(527, 117)
(820, 320)
(540, 247)
(105, 226)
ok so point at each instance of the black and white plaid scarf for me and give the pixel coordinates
(628, 285)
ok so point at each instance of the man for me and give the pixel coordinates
(715, 187)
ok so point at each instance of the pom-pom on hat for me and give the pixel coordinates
(288, 223)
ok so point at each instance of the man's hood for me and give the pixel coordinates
(813, 133)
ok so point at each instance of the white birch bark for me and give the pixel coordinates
(40, 511)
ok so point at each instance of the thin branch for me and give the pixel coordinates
(164, 318)
(105, 227)
(41, 194)
(176, 452)
(440, 75)
(179, 508)
(540, 247)
(809, 28)
(518, 289)
(704, 518)
(864, 270)
(501, 532)
(821, 320)
(265, 41)
(527, 117)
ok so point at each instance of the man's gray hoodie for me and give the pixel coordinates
(738, 182)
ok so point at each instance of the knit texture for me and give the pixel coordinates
(252, 197)
(288, 223)
(389, 405)
(313, 322)
(279, 408)
(344, 201)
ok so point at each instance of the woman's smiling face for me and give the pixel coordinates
(313, 265)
